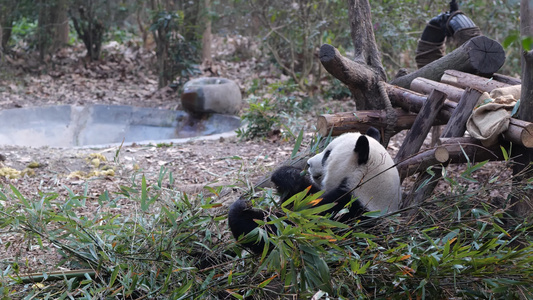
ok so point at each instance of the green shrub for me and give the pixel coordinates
(278, 111)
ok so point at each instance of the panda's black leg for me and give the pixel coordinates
(241, 218)
(290, 180)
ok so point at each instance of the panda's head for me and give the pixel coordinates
(349, 150)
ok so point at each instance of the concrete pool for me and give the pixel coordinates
(106, 125)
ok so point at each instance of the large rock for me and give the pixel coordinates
(211, 95)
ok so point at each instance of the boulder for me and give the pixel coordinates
(211, 95)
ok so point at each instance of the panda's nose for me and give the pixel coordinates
(308, 165)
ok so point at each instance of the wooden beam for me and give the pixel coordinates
(506, 79)
(480, 55)
(451, 151)
(413, 101)
(339, 123)
(463, 80)
(425, 86)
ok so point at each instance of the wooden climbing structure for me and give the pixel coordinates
(443, 92)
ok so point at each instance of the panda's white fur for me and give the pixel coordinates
(377, 180)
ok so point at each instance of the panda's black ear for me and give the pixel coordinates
(362, 148)
(374, 133)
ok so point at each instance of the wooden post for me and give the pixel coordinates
(426, 183)
(457, 125)
(415, 138)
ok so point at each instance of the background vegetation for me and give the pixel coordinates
(176, 246)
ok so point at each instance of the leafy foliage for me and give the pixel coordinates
(277, 110)
(177, 57)
(292, 32)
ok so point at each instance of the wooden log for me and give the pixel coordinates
(520, 132)
(472, 147)
(463, 80)
(412, 101)
(425, 86)
(506, 79)
(420, 162)
(451, 151)
(344, 69)
(480, 55)
(456, 126)
(361, 120)
(416, 136)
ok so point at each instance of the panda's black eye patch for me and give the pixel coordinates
(325, 157)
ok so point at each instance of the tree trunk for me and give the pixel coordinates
(363, 74)
(61, 28)
(162, 42)
(53, 26)
(6, 22)
(89, 29)
(523, 198)
(207, 36)
(191, 10)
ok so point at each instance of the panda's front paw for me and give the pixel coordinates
(290, 180)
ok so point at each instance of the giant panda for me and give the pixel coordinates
(353, 166)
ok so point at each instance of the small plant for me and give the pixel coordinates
(260, 117)
(23, 30)
(337, 90)
(278, 111)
